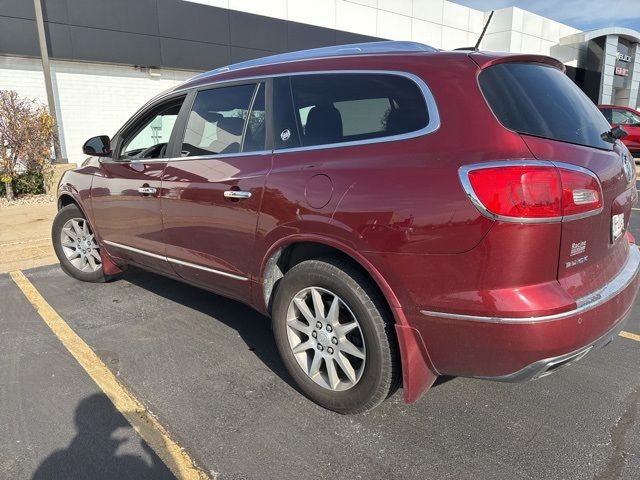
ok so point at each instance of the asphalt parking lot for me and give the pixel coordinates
(208, 369)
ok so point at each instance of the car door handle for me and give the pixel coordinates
(147, 190)
(239, 194)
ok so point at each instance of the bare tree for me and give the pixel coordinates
(26, 137)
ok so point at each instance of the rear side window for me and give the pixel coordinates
(541, 100)
(337, 108)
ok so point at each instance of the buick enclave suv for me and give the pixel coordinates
(399, 212)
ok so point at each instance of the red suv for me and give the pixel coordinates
(627, 118)
(399, 212)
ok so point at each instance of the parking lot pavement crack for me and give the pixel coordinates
(617, 459)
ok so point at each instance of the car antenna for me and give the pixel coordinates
(477, 47)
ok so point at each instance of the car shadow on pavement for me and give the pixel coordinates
(92, 452)
(254, 329)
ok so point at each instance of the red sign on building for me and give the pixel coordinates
(623, 72)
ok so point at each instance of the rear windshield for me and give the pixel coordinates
(541, 100)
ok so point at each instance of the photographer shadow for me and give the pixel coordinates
(92, 452)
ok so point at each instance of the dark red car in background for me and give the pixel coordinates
(399, 212)
(627, 118)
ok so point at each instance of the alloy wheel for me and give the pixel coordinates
(326, 339)
(79, 245)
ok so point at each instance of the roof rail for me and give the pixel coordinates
(388, 46)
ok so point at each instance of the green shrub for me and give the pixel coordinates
(29, 183)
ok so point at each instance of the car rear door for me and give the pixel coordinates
(212, 188)
(125, 192)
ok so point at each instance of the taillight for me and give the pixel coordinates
(581, 192)
(532, 190)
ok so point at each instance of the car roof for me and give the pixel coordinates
(327, 58)
(353, 49)
(621, 107)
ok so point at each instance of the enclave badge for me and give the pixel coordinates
(627, 165)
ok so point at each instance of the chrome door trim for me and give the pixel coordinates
(135, 250)
(617, 284)
(176, 261)
(206, 269)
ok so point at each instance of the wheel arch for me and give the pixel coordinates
(67, 196)
(66, 199)
(418, 373)
(287, 253)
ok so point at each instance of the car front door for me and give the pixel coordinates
(125, 193)
(212, 188)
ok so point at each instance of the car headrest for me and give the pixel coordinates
(231, 125)
(324, 125)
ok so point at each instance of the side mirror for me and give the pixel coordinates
(618, 132)
(99, 146)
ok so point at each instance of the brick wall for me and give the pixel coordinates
(91, 99)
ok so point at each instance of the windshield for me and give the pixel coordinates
(540, 100)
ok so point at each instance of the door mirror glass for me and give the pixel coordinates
(99, 146)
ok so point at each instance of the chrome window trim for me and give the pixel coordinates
(463, 175)
(430, 103)
(204, 157)
(429, 100)
(617, 284)
(176, 261)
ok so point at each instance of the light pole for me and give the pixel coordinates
(44, 55)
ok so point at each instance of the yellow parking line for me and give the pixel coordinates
(141, 419)
(631, 336)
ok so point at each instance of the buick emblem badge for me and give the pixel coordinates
(285, 135)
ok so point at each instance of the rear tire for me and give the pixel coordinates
(347, 361)
(75, 245)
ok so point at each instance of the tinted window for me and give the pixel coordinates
(255, 134)
(624, 117)
(149, 137)
(217, 120)
(335, 108)
(542, 101)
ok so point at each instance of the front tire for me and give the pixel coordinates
(75, 245)
(335, 335)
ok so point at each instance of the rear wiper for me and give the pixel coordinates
(616, 133)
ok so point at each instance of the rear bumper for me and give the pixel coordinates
(518, 349)
(547, 366)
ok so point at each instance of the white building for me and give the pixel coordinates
(109, 57)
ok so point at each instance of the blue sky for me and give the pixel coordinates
(582, 14)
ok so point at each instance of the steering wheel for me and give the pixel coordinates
(154, 151)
